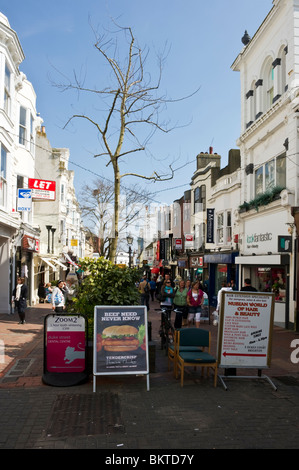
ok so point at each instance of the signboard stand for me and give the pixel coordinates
(65, 353)
(120, 341)
(245, 333)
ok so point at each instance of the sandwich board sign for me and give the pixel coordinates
(120, 341)
(65, 358)
(245, 330)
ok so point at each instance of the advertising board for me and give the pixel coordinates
(245, 330)
(120, 340)
(65, 349)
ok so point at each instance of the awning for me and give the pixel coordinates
(48, 262)
(60, 264)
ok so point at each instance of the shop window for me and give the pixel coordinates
(270, 279)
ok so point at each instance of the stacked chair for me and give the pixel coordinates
(191, 347)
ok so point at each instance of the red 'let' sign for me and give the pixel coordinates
(42, 189)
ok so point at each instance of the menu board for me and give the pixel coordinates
(120, 340)
(245, 329)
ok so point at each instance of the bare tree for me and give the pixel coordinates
(97, 202)
(131, 100)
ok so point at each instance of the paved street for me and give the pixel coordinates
(122, 414)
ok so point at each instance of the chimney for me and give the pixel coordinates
(211, 150)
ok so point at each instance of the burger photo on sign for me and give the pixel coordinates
(119, 338)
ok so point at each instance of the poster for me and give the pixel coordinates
(245, 329)
(65, 343)
(120, 340)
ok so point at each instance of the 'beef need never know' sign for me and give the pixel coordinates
(245, 330)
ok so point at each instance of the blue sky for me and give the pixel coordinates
(202, 38)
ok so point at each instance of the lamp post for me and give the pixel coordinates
(48, 227)
(130, 241)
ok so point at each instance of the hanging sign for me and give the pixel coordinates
(245, 329)
(120, 340)
(24, 200)
(65, 349)
(42, 189)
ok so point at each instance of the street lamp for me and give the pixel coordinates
(129, 242)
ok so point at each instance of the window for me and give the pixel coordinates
(62, 195)
(270, 175)
(22, 126)
(3, 181)
(228, 227)
(259, 180)
(7, 97)
(270, 87)
(220, 221)
(200, 198)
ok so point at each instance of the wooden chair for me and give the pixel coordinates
(195, 358)
(188, 342)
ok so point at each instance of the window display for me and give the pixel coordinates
(270, 279)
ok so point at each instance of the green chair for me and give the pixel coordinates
(194, 358)
(188, 342)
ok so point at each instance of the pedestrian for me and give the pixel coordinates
(144, 290)
(58, 297)
(166, 297)
(153, 287)
(180, 304)
(19, 298)
(224, 287)
(233, 285)
(194, 300)
(41, 292)
(159, 285)
(49, 291)
(247, 286)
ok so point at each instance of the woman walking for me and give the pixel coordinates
(194, 300)
(58, 296)
(180, 304)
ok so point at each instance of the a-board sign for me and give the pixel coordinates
(120, 340)
(65, 359)
(245, 330)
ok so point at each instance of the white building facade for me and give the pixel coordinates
(269, 143)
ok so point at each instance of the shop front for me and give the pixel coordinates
(222, 268)
(268, 261)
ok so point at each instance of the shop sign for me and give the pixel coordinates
(30, 244)
(284, 244)
(210, 225)
(196, 261)
(261, 233)
(245, 329)
(189, 241)
(178, 244)
(42, 189)
(24, 200)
